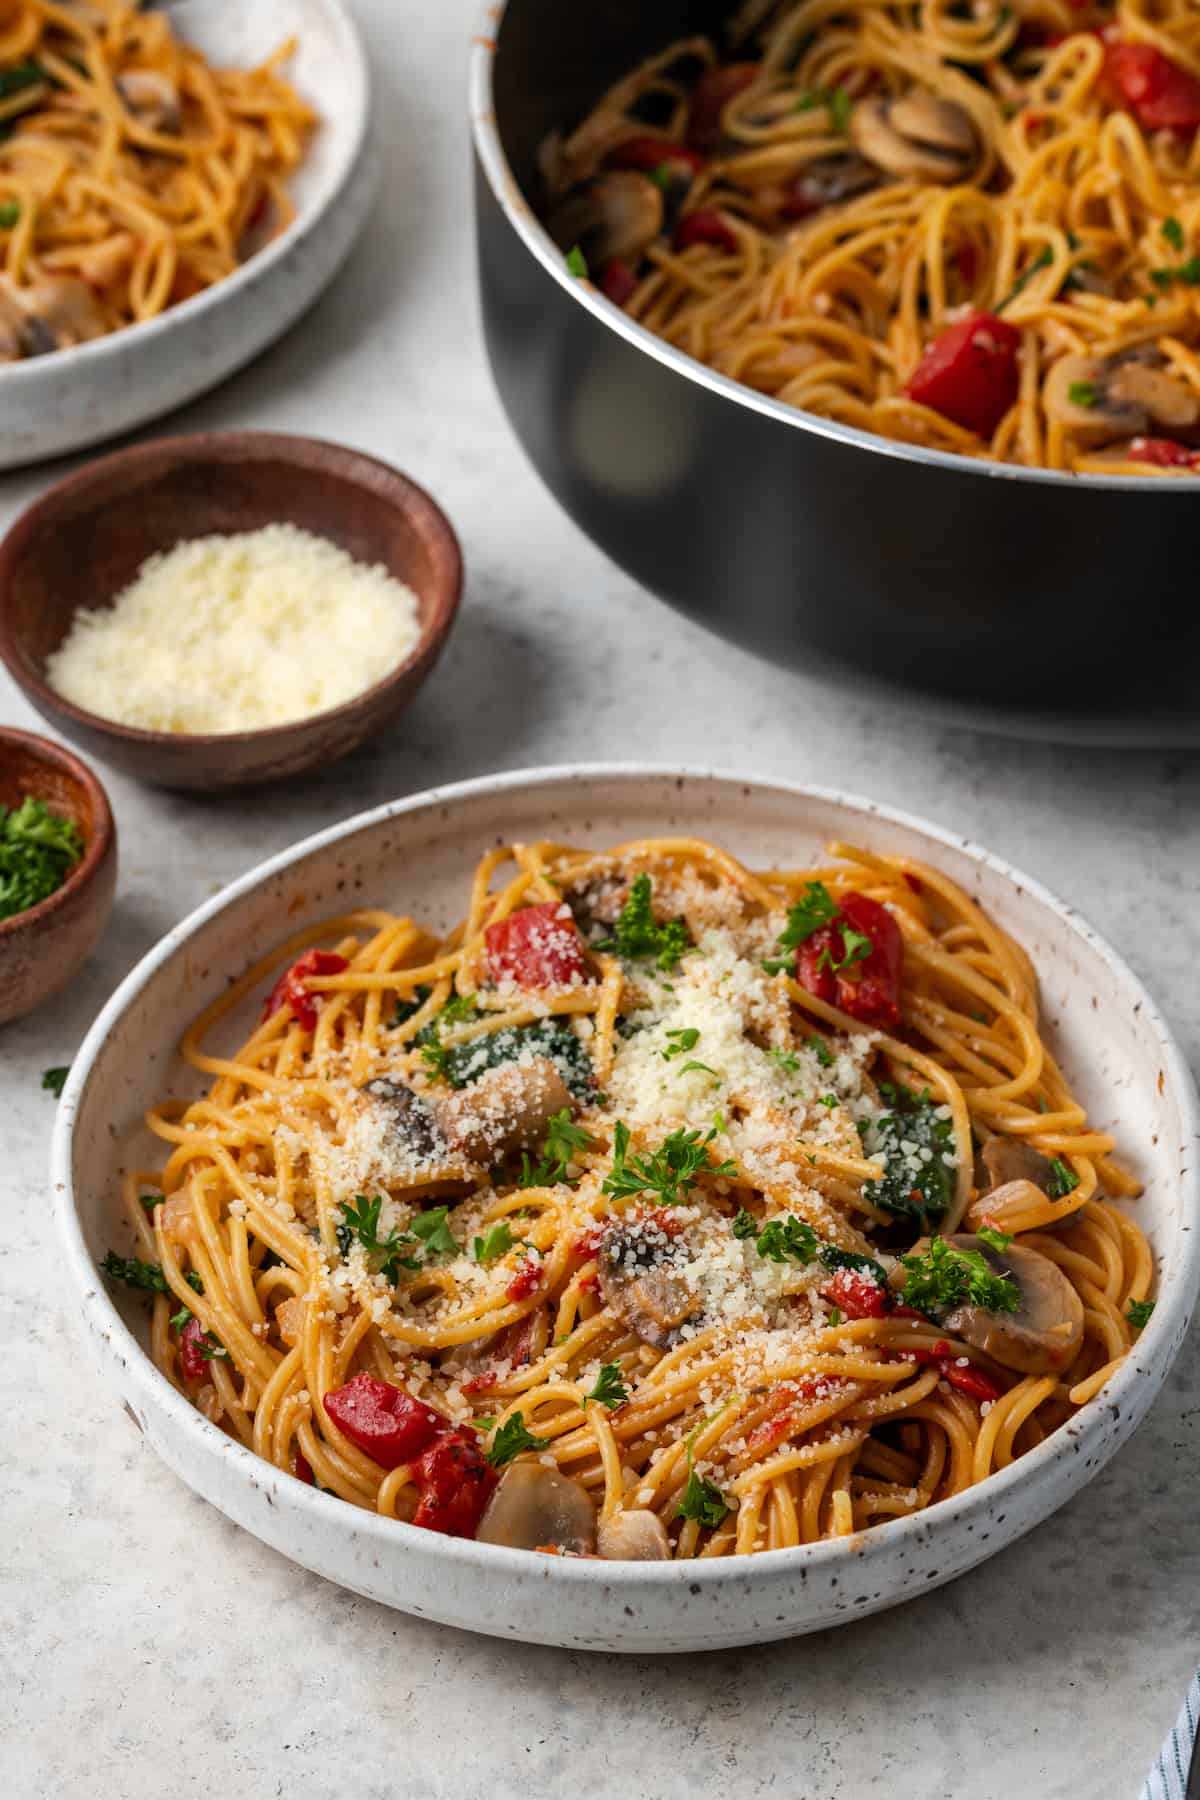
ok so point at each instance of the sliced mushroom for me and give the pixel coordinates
(613, 219)
(1044, 1335)
(1000, 1206)
(639, 1282)
(1098, 399)
(918, 136)
(410, 1117)
(506, 1110)
(828, 182)
(1013, 1159)
(635, 1536)
(58, 312)
(534, 1507)
(153, 100)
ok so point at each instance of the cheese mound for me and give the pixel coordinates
(237, 633)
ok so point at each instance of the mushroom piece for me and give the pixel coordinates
(1044, 1335)
(153, 100)
(58, 313)
(635, 1536)
(534, 1507)
(613, 219)
(638, 1282)
(411, 1119)
(1013, 1159)
(918, 135)
(506, 1110)
(1004, 1206)
(828, 182)
(1097, 400)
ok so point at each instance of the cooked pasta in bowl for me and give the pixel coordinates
(654, 1188)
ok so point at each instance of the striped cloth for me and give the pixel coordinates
(1167, 1780)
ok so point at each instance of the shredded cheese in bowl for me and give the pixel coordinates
(237, 633)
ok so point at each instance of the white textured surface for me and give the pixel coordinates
(148, 1646)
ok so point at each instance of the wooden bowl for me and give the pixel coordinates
(43, 948)
(88, 536)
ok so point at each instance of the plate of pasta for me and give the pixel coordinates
(176, 186)
(633, 1210)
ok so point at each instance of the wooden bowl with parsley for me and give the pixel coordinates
(58, 869)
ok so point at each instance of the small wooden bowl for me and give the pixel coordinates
(88, 536)
(43, 948)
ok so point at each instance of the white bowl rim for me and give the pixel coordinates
(78, 357)
(529, 228)
(1170, 1316)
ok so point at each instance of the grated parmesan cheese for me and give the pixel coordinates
(237, 633)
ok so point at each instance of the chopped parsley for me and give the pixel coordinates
(577, 263)
(856, 947)
(995, 1240)
(563, 1141)
(1138, 1313)
(609, 1390)
(840, 108)
(946, 1277)
(700, 1500)
(638, 934)
(1187, 273)
(788, 1238)
(702, 1067)
(10, 212)
(360, 1224)
(820, 1050)
(1063, 1179)
(179, 1319)
(829, 1100)
(147, 1276)
(150, 1201)
(1083, 393)
(815, 907)
(668, 1171)
(22, 75)
(745, 1225)
(210, 1347)
(498, 1242)
(1172, 230)
(38, 850)
(779, 965)
(511, 1440)
(681, 1042)
(916, 1148)
(787, 1060)
(55, 1080)
(835, 1315)
(430, 1229)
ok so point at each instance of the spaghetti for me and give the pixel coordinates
(132, 174)
(971, 228)
(643, 1212)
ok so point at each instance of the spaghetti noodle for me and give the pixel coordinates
(132, 174)
(972, 228)
(653, 1185)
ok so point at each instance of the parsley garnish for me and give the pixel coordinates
(856, 947)
(700, 1499)
(995, 1240)
(563, 1141)
(577, 263)
(638, 934)
(702, 1067)
(829, 1100)
(1172, 230)
(1063, 1179)
(946, 1277)
(498, 1242)
(179, 1319)
(10, 212)
(779, 965)
(667, 1171)
(609, 1390)
(1138, 1313)
(38, 850)
(55, 1080)
(360, 1222)
(431, 1229)
(745, 1225)
(436, 1058)
(835, 1315)
(788, 1237)
(787, 1059)
(150, 1201)
(1083, 393)
(681, 1042)
(820, 1050)
(840, 108)
(1187, 272)
(22, 75)
(210, 1347)
(147, 1276)
(815, 907)
(511, 1439)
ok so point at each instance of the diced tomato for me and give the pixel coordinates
(536, 947)
(1163, 453)
(959, 1372)
(705, 226)
(969, 373)
(588, 1243)
(382, 1420)
(650, 153)
(302, 1468)
(291, 989)
(867, 988)
(1160, 95)
(528, 1276)
(454, 1482)
(618, 283)
(195, 1350)
(710, 96)
(858, 1294)
(790, 1399)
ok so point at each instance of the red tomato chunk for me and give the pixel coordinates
(969, 373)
(959, 1372)
(455, 1483)
(195, 1351)
(382, 1420)
(1163, 453)
(649, 153)
(868, 988)
(705, 226)
(710, 96)
(858, 1294)
(1160, 95)
(618, 283)
(291, 989)
(536, 947)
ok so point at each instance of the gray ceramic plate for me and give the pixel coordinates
(415, 856)
(52, 404)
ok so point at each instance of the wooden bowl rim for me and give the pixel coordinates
(103, 835)
(217, 448)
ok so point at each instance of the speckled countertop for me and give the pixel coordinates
(149, 1647)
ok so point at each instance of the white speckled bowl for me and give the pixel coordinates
(415, 855)
(73, 398)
